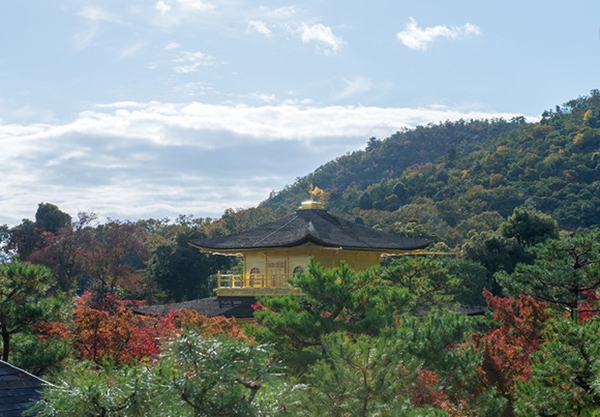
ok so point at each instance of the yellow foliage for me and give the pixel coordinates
(539, 131)
(496, 180)
(502, 149)
(579, 139)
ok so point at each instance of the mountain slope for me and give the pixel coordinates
(455, 177)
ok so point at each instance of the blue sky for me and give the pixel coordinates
(151, 108)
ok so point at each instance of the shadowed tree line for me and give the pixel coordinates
(147, 259)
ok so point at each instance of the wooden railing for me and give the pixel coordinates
(252, 281)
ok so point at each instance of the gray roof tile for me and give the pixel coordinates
(18, 390)
(238, 307)
(315, 226)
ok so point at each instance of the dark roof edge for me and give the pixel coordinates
(310, 239)
(29, 374)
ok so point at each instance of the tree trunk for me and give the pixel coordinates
(5, 344)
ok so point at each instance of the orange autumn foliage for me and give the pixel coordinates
(210, 326)
(507, 350)
(107, 330)
(424, 391)
(590, 306)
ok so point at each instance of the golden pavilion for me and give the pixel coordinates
(276, 251)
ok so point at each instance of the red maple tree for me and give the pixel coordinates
(507, 349)
(105, 329)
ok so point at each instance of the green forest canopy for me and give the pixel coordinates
(455, 177)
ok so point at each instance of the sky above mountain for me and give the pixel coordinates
(152, 108)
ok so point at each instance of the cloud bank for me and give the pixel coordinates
(131, 160)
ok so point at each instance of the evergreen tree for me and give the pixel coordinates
(50, 218)
(24, 299)
(529, 226)
(495, 252)
(564, 373)
(426, 278)
(329, 300)
(365, 201)
(362, 376)
(564, 273)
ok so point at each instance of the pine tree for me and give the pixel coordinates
(565, 271)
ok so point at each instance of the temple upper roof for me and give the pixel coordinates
(312, 226)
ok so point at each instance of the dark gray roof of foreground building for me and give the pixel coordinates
(18, 390)
(241, 308)
(238, 307)
(314, 226)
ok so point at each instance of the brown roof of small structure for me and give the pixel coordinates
(314, 226)
(238, 307)
(18, 390)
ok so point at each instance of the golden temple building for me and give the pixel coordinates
(276, 251)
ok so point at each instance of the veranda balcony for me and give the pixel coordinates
(253, 284)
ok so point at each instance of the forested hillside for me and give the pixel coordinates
(456, 177)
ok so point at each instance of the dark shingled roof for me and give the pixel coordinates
(238, 307)
(18, 390)
(315, 226)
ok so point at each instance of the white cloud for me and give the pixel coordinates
(196, 5)
(260, 27)
(282, 13)
(98, 13)
(131, 50)
(131, 160)
(66, 157)
(355, 86)
(84, 39)
(172, 45)
(156, 122)
(192, 61)
(322, 35)
(266, 98)
(195, 88)
(28, 112)
(260, 98)
(162, 7)
(94, 17)
(195, 14)
(417, 38)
